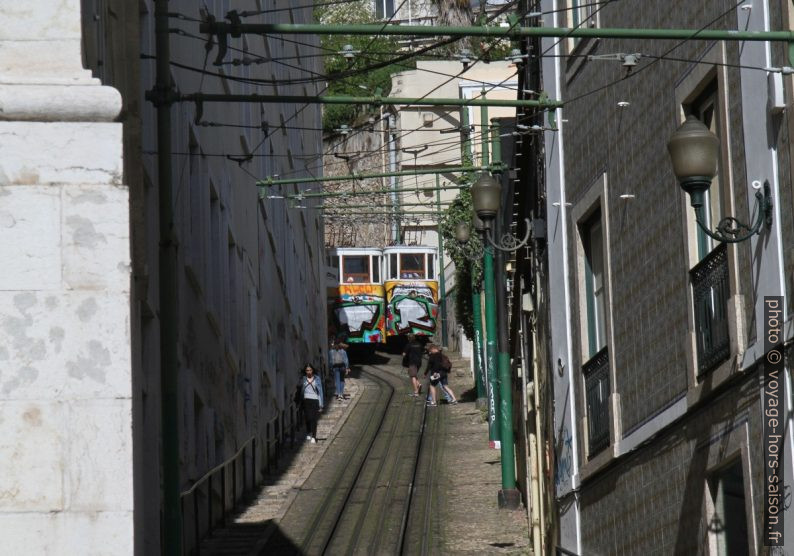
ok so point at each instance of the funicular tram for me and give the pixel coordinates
(356, 299)
(380, 294)
(411, 289)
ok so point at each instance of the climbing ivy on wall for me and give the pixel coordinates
(466, 256)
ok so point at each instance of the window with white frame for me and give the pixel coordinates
(708, 258)
(582, 14)
(726, 508)
(705, 107)
(594, 283)
(384, 9)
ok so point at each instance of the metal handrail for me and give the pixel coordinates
(207, 478)
(217, 468)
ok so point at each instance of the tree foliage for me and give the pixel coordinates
(363, 82)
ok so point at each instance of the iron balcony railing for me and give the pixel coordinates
(596, 381)
(710, 293)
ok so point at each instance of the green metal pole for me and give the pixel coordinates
(169, 362)
(362, 212)
(477, 348)
(490, 310)
(490, 347)
(267, 182)
(508, 497)
(372, 101)
(442, 281)
(476, 295)
(264, 193)
(345, 207)
(495, 31)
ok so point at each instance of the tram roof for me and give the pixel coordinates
(410, 249)
(355, 251)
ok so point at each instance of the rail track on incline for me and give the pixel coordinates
(375, 490)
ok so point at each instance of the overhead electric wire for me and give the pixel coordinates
(655, 60)
(465, 69)
(276, 82)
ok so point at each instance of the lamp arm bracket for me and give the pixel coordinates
(509, 242)
(730, 230)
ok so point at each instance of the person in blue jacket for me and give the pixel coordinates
(312, 394)
(340, 365)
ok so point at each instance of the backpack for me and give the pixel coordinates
(446, 364)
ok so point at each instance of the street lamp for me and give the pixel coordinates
(462, 232)
(486, 196)
(694, 151)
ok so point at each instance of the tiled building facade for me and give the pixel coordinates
(657, 385)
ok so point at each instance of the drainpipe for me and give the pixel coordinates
(163, 97)
(535, 462)
(395, 199)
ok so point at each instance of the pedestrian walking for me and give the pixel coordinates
(340, 365)
(311, 394)
(438, 367)
(412, 359)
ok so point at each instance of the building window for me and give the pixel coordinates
(596, 385)
(384, 9)
(727, 519)
(705, 107)
(710, 293)
(595, 294)
(709, 276)
(594, 346)
(582, 14)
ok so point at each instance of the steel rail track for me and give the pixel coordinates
(374, 451)
(342, 472)
(394, 449)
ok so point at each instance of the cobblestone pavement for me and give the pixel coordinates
(257, 521)
(472, 520)
(276, 496)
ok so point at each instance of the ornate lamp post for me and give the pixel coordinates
(486, 197)
(694, 151)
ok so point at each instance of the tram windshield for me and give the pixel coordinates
(356, 269)
(412, 265)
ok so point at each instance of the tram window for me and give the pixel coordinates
(393, 266)
(375, 264)
(412, 265)
(430, 274)
(355, 269)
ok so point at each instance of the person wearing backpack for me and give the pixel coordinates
(438, 368)
(310, 391)
(340, 365)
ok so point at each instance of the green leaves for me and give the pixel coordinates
(466, 256)
(362, 81)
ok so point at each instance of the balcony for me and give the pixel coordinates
(596, 383)
(710, 293)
